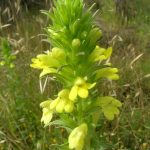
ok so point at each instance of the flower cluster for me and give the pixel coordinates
(61, 104)
(78, 64)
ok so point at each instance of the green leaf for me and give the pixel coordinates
(60, 123)
(64, 122)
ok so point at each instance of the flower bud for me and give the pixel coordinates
(77, 137)
(76, 43)
(58, 53)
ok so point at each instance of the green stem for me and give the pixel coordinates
(88, 143)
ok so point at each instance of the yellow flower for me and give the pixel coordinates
(47, 112)
(77, 137)
(80, 88)
(44, 61)
(100, 54)
(49, 62)
(110, 73)
(62, 102)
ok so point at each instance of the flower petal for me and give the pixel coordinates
(83, 92)
(60, 106)
(69, 107)
(90, 86)
(47, 116)
(54, 103)
(73, 93)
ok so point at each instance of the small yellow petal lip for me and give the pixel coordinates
(73, 93)
(83, 92)
(80, 88)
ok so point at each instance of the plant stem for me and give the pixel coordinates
(88, 143)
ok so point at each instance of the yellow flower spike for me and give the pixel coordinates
(47, 112)
(77, 137)
(80, 88)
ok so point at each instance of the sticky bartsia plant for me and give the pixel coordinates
(78, 64)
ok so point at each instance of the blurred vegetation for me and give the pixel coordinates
(125, 25)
